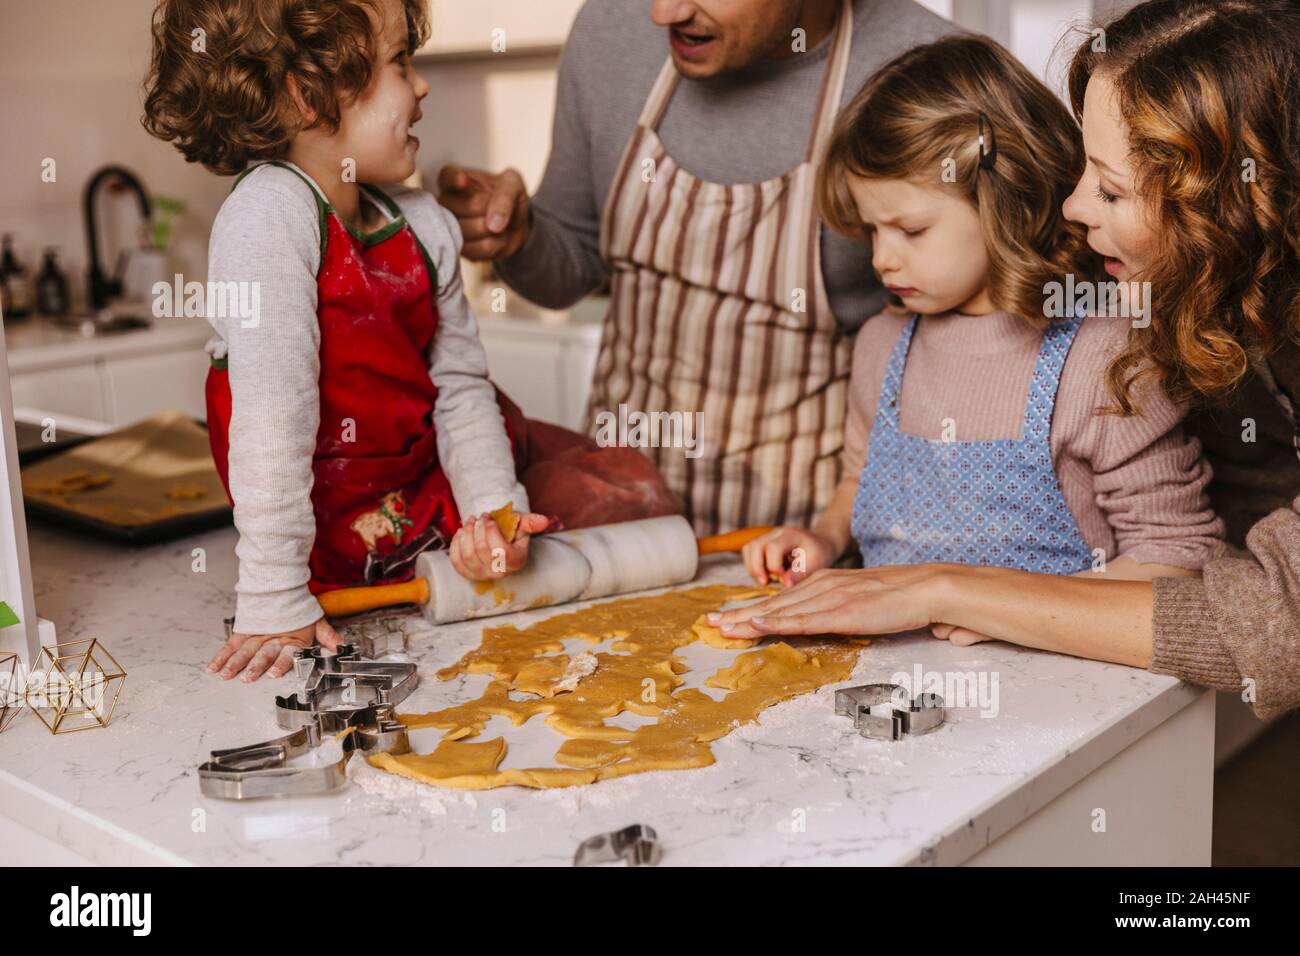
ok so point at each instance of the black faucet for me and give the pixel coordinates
(102, 288)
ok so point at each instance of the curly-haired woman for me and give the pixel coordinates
(1191, 127)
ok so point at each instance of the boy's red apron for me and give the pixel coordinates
(377, 484)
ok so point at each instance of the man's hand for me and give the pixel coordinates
(255, 654)
(492, 210)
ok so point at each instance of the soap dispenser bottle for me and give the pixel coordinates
(52, 287)
(15, 293)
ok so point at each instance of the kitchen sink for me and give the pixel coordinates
(105, 323)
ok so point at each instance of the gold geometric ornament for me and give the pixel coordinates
(76, 687)
(11, 689)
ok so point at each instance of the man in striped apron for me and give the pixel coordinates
(721, 312)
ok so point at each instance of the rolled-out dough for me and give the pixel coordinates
(638, 673)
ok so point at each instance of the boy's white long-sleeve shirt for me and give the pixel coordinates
(268, 232)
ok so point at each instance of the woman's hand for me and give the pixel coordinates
(868, 601)
(1103, 620)
(480, 552)
(765, 557)
(255, 654)
(958, 636)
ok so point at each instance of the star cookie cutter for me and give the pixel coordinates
(886, 712)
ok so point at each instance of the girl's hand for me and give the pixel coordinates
(254, 654)
(869, 601)
(765, 557)
(479, 552)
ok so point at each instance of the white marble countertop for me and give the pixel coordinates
(39, 344)
(798, 787)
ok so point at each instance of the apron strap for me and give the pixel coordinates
(891, 389)
(828, 101)
(384, 200)
(1046, 379)
(322, 206)
(656, 104)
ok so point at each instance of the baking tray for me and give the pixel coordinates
(33, 447)
(150, 482)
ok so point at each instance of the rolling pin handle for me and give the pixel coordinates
(344, 601)
(732, 541)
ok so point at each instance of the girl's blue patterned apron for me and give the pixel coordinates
(997, 503)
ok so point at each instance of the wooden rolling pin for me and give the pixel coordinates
(562, 567)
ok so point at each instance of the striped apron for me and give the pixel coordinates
(718, 307)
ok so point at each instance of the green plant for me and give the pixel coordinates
(162, 221)
(7, 616)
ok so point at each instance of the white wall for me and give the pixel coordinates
(70, 77)
(70, 90)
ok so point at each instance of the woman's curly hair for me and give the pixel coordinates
(1209, 90)
(216, 83)
(918, 119)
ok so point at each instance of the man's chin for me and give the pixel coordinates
(696, 69)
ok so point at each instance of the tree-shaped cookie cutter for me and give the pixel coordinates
(340, 695)
(887, 711)
(69, 690)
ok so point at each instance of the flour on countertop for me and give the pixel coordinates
(581, 666)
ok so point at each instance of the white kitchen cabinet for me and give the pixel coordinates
(141, 386)
(545, 367)
(77, 390)
(112, 379)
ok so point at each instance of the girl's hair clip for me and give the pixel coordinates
(988, 143)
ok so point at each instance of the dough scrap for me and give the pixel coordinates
(71, 483)
(714, 637)
(186, 492)
(507, 521)
(638, 673)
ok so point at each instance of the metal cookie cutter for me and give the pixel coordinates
(261, 770)
(340, 692)
(374, 636)
(637, 845)
(340, 682)
(884, 712)
(378, 636)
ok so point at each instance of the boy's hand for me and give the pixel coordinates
(765, 558)
(254, 654)
(479, 552)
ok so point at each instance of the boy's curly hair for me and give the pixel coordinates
(918, 119)
(216, 83)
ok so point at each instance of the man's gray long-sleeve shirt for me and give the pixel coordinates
(746, 126)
